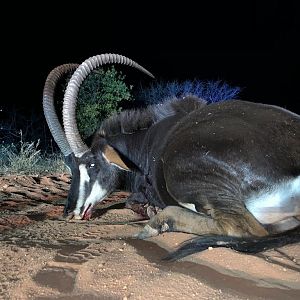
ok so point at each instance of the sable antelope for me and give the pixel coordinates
(226, 169)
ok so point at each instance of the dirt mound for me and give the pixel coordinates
(44, 257)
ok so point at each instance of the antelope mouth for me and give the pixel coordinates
(87, 212)
(85, 215)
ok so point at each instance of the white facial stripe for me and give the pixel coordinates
(274, 205)
(84, 178)
(97, 194)
(189, 206)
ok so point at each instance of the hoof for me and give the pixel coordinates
(147, 232)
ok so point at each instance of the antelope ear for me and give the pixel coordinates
(112, 156)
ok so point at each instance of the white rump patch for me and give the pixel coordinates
(278, 203)
(189, 206)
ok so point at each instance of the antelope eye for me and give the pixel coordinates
(91, 166)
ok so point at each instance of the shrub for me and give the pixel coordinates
(100, 96)
(211, 91)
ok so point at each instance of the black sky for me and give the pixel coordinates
(251, 44)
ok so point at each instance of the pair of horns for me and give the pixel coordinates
(69, 140)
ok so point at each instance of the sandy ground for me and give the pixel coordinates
(44, 257)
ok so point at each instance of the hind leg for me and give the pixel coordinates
(175, 218)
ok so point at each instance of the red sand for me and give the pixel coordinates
(44, 257)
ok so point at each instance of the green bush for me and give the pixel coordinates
(99, 97)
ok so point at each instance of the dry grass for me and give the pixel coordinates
(27, 158)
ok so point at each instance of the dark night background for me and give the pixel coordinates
(251, 44)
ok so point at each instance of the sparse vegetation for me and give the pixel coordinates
(27, 158)
(211, 91)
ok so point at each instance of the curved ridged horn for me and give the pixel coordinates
(49, 109)
(71, 93)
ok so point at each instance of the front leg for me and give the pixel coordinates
(138, 203)
(144, 200)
